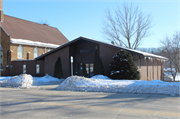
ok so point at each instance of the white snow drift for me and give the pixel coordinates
(47, 79)
(121, 86)
(97, 83)
(23, 80)
(27, 81)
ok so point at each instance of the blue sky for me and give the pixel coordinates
(76, 18)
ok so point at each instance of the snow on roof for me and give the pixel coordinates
(145, 53)
(32, 43)
(132, 50)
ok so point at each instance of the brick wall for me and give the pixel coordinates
(1, 16)
(1, 11)
(5, 43)
(10, 51)
(26, 49)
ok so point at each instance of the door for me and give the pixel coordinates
(84, 69)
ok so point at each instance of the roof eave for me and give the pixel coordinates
(88, 39)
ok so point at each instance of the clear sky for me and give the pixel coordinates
(76, 18)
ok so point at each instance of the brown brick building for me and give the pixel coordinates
(25, 40)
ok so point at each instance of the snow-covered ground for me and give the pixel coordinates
(120, 86)
(46, 80)
(97, 83)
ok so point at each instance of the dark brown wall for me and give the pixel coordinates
(17, 67)
(51, 59)
(106, 54)
(30, 67)
(84, 51)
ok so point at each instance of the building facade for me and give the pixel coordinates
(82, 51)
(25, 40)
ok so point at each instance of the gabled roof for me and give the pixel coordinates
(27, 30)
(144, 54)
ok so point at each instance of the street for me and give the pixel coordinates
(52, 104)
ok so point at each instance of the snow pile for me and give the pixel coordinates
(22, 81)
(46, 80)
(4, 78)
(100, 77)
(120, 86)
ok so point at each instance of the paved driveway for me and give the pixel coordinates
(52, 104)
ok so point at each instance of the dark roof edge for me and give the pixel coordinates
(95, 41)
(130, 50)
(60, 47)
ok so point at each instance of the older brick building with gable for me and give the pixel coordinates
(25, 40)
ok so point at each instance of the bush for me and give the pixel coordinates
(98, 66)
(123, 67)
(58, 72)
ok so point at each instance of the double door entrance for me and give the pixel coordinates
(84, 69)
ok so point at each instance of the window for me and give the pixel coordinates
(35, 52)
(20, 52)
(24, 69)
(1, 55)
(37, 68)
(91, 70)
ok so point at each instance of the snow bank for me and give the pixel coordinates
(27, 81)
(22, 81)
(46, 80)
(5, 78)
(120, 86)
(100, 77)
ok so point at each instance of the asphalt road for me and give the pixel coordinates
(52, 104)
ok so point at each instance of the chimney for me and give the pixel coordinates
(1, 11)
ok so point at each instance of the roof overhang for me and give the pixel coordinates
(143, 54)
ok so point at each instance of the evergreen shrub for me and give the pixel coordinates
(58, 72)
(123, 67)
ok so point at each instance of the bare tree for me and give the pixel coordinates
(171, 50)
(127, 26)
